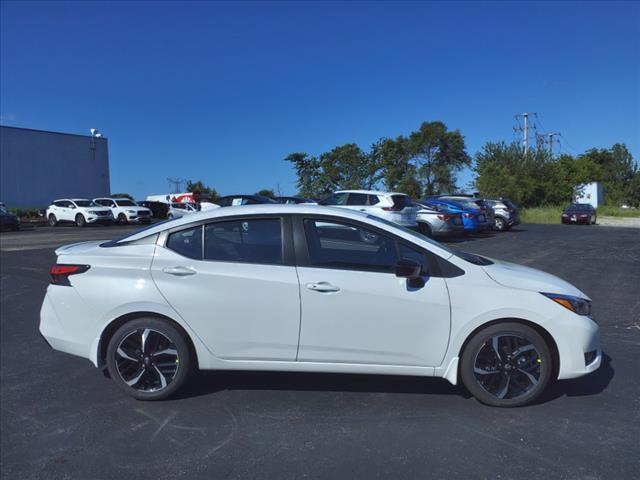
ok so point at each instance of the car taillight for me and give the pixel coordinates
(469, 215)
(446, 218)
(60, 273)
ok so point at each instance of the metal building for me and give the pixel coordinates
(37, 167)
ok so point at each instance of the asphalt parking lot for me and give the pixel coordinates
(61, 418)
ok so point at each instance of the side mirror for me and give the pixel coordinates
(410, 270)
(72, 206)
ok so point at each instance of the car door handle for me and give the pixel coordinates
(179, 271)
(322, 287)
(363, 209)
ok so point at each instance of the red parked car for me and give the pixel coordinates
(579, 213)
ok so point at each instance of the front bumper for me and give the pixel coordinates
(99, 219)
(578, 347)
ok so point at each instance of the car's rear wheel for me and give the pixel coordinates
(80, 220)
(53, 221)
(122, 219)
(500, 224)
(425, 229)
(149, 358)
(506, 365)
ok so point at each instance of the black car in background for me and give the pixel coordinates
(158, 209)
(8, 220)
(579, 213)
(293, 200)
(234, 200)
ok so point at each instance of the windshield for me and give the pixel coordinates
(579, 206)
(125, 203)
(85, 203)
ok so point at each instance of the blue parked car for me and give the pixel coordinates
(473, 218)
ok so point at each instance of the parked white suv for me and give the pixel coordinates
(80, 211)
(394, 207)
(125, 210)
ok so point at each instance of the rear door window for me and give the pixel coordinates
(357, 199)
(257, 240)
(373, 199)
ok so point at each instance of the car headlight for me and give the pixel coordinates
(580, 306)
(93, 212)
(131, 211)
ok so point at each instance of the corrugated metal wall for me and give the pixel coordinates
(37, 167)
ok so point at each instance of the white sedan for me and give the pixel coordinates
(313, 289)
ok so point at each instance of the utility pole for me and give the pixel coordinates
(525, 130)
(551, 135)
(177, 184)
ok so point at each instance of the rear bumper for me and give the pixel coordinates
(447, 229)
(56, 334)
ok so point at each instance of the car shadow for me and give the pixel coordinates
(591, 384)
(208, 382)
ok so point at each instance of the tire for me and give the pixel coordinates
(595, 219)
(126, 363)
(169, 216)
(506, 384)
(425, 229)
(122, 219)
(80, 220)
(500, 224)
(53, 221)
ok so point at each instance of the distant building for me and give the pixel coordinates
(591, 193)
(37, 167)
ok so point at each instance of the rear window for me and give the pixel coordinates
(401, 201)
(247, 241)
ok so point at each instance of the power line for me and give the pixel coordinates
(564, 139)
(177, 184)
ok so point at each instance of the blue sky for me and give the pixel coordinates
(222, 92)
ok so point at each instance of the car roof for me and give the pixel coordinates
(371, 192)
(269, 209)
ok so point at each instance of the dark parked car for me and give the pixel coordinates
(158, 209)
(234, 200)
(296, 200)
(579, 213)
(8, 220)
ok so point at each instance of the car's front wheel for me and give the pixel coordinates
(506, 365)
(149, 358)
(53, 221)
(80, 220)
(500, 224)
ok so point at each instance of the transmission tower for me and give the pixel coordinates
(177, 184)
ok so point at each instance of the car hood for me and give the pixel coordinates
(517, 276)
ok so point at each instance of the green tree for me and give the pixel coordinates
(504, 170)
(309, 174)
(614, 168)
(437, 154)
(266, 193)
(206, 191)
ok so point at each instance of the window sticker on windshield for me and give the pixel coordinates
(236, 201)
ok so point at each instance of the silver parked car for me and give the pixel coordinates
(506, 213)
(438, 223)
